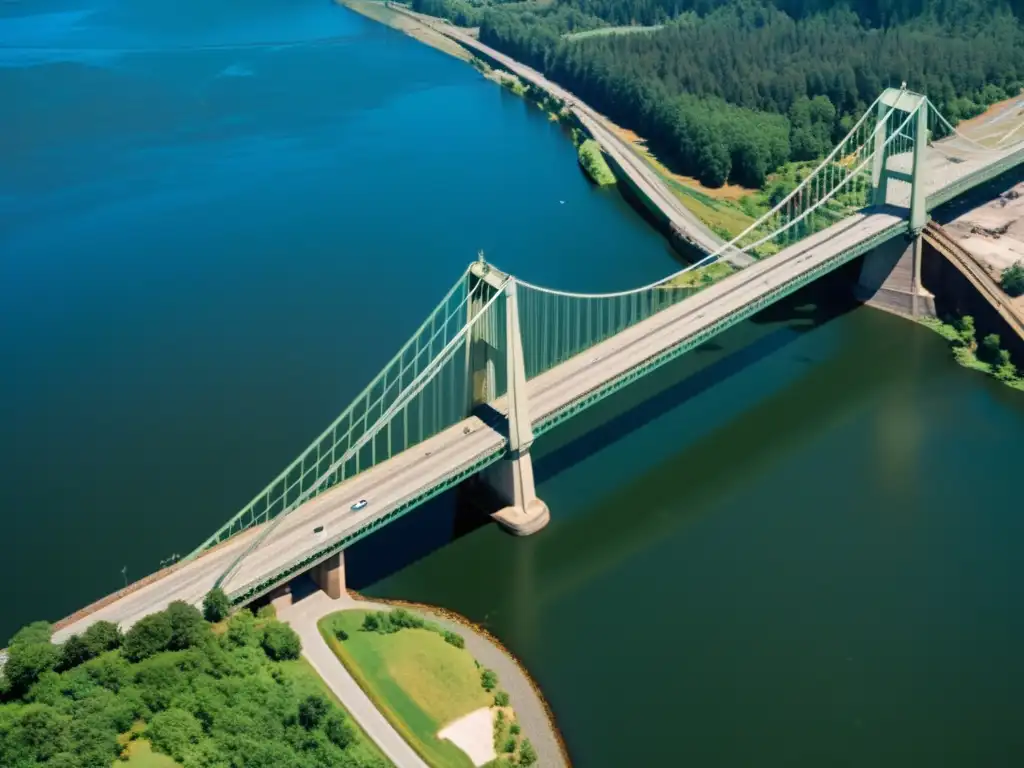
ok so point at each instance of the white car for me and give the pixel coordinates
(358, 505)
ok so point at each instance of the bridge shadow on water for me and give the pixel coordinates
(463, 510)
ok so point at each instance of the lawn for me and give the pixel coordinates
(141, 755)
(417, 680)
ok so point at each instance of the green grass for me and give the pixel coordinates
(419, 682)
(602, 31)
(594, 164)
(141, 755)
(703, 276)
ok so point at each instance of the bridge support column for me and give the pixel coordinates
(281, 597)
(330, 575)
(512, 477)
(890, 279)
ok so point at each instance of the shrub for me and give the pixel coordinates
(371, 622)
(338, 731)
(514, 729)
(216, 605)
(102, 636)
(266, 612)
(455, 639)
(174, 732)
(965, 329)
(527, 754)
(1012, 279)
(312, 711)
(150, 634)
(187, 627)
(489, 680)
(242, 629)
(73, 652)
(26, 661)
(36, 632)
(399, 618)
(989, 350)
(501, 699)
(280, 641)
(510, 745)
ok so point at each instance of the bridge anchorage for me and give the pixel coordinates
(500, 361)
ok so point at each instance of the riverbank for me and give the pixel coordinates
(532, 710)
(685, 229)
(965, 350)
(403, 22)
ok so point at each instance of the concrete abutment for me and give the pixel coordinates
(890, 279)
(329, 575)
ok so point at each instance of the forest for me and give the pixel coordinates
(729, 90)
(186, 691)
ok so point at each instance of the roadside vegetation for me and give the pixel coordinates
(1012, 279)
(421, 678)
(173, 691)
(799, 74)
(988, 356)
(728, 90)
(594, 164)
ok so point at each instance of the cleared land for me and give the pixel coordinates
(604, 31)
(419, 682)
(993, 233)
(141, 755)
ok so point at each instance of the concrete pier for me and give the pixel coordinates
(890, 279)
(512, 480)
(330, 575)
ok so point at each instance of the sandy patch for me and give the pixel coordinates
(725, 192)
(473, 734)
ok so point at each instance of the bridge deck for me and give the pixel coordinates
(435, 464)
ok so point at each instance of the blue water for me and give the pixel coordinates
(217, 222)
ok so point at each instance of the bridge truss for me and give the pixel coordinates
(457, 359)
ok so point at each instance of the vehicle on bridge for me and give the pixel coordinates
(358, 505)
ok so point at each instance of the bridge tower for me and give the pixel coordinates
(890, 278)
(511, 478)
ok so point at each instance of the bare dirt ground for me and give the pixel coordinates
(993, 233)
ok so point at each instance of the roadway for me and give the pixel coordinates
(433, 462)
(429, 464)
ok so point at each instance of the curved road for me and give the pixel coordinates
(689, 227)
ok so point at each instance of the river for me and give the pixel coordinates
(798, 545)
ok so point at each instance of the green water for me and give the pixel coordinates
(799, 546)
(796, 546)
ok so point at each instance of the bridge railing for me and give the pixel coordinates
(411, 387)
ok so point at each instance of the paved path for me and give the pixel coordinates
(530, 711)
(303, 617)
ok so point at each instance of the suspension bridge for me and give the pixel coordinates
(500, 361)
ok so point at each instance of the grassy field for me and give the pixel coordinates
(594, 164)
(697, 278)
(417, 680)
(141, 755)
(603, 31)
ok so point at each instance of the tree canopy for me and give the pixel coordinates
(206, 700)
(731, 89)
